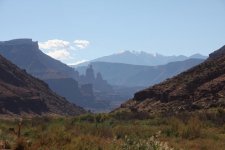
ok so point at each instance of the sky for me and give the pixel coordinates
(77, 30)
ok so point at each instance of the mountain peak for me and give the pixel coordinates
(20, 45)
(143, 58)
(197, 55)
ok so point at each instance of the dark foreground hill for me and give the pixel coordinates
(22, 94)
(200, 87)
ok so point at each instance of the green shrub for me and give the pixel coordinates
(174, 127)
(215, 117)
(189, 130)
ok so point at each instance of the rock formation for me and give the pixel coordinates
(99, 84)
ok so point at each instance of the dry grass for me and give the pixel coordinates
(199, 131)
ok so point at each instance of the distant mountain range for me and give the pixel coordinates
(127, 75)
(22, 94)
(201, 87)
(142, 58)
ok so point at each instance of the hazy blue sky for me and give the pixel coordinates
(86, 29)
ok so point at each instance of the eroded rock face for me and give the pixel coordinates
(20, 93)
(200, 87)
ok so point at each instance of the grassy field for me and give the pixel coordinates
(117, 131)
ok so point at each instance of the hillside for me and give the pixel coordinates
(200, 87)
(136, 75)
(22, 94)
(142, 58)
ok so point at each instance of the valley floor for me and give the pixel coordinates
(117, 131)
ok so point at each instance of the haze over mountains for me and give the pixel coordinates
(142, 58)
(100, 86)
(22, 94)
(139, 69)
(127, 75)
(201, 87)
(127, 79)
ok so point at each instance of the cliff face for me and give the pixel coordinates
(26, 54)
(201, 87)
(20, 93)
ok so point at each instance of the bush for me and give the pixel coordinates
(124, 115)
(91, 118)
(216, 117)
(193, 129)
(174, 127)
(190, 130)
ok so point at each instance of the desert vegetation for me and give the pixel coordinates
(203, 130)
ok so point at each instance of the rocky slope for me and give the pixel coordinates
(22, 94)
(200, 87)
